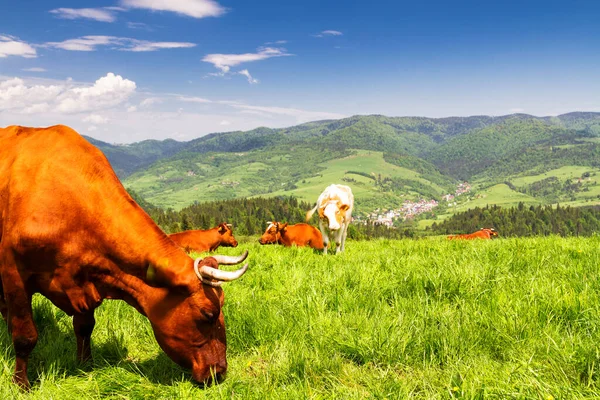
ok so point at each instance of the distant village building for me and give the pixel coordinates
(411, 209)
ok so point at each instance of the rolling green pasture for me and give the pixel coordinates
(268, 178)
(563, 173)
(429, 319)
(499, 194)
(371, 162)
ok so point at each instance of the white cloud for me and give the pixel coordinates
(18, 96)
(298, 114)
(105, 14)
(91, 43)
(96, 119)
(225, 61)
(328, 32)
(245, 72)
(34, 69)
(139, 25)
(144, 45)
(84, 43)
(11, 46)
(106, 109)
(106, 92)
(36, 108)
(277, 42)
(194, 99)
(21, 97)
(190, 8)
(150, 101)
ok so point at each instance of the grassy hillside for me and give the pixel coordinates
(412, 158)
(432, 319)
(303, 172)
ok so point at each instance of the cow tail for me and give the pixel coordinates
(310, 213)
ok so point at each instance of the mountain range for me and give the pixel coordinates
(386, 160)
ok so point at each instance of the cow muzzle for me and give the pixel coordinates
(210, 374)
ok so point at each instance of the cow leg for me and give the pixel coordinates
(344, 235)
(3, 308)
(338, 240)
(325, 236)
(19, 317)
(83, 325)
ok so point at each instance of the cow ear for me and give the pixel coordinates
(321, 212)
(222, 228)
(344, 207)
(282, 227)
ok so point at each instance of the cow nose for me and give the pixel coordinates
(213, 374)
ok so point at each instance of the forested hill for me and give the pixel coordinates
(387, 159)
(128, 158)
(427, 138)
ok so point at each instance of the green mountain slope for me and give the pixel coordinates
(129, 158)
(387, 159)
(479, 150)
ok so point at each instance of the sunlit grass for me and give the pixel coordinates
(509, 318)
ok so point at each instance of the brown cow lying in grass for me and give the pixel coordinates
(299, 235)
(205, 240)
(484, 233)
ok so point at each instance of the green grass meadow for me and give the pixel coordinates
(428, 319)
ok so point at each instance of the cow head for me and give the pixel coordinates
(271, 235)
(334, 212)
(189, 325)
(491, 231)
(227, 239)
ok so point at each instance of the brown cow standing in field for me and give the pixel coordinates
(70, 231)
(334, 206)
(205, 240)
(484, 233)
(287, 235)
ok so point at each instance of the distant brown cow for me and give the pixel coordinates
(299, 235)
(484, 233)
(205, 240)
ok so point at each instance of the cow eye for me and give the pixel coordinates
(207, 314)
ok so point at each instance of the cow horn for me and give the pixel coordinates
(205, 273)
(230, 260)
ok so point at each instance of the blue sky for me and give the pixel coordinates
(127, 70)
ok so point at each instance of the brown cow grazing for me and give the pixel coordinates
(70, 231)
(205, 240)
(299, 235)
(484, 233)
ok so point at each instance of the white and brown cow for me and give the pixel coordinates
(335, 213)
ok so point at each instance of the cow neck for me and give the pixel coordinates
(279, 238)
(212, 237)
(134, 292)
(144, 250)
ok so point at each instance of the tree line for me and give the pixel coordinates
(524, 221)
(249, 216)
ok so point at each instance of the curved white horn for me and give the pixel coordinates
(206, 273)
(222, 276)
(230, 260)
